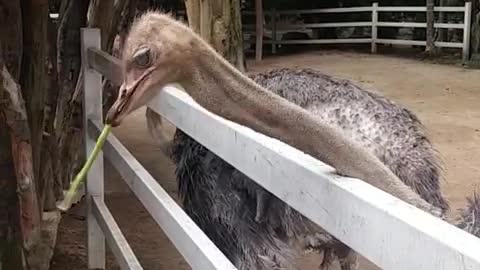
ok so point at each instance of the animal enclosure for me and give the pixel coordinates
(268, 162)
(274, 33)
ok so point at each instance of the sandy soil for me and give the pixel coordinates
(445, 98)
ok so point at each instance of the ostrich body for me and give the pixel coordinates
(223, 201)
(360, 134)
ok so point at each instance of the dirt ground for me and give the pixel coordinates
(446, 98)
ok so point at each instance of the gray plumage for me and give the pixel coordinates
(255, 229)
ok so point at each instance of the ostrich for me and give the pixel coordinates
(359, 133)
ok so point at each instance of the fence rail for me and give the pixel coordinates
(374, 24)
(387, 231)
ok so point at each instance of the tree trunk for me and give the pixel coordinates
(430, 48)
(219, 23)
(17, 180)
(68, 122)
(39, 121)
(441, 19)
(33, 79)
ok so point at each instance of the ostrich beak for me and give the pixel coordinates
(129, 99)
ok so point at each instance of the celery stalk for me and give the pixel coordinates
(80, 177)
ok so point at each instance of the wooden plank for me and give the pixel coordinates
(449, 9)
(364, 24)
(420, 9)
(107, 65)
(124, 255)
(328, 25)
(325, 10)
(197, 249)
(313, 11)
(419, 43)
(466, 32)
(387, 231)
(420, 25)
(449, 25)
(402, 42)
(92, 110)
(322, 41)
(373, 46)
(361, 9)
(448, 44)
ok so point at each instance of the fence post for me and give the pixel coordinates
(467, 21)
(374, 27)
(274, 30)
(92, 110)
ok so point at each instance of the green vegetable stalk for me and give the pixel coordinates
(80, 177)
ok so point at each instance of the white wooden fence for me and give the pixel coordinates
(375, 9)
(387, 231)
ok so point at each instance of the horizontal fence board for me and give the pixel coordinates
(301, 27)
(421, 25)
(421, 9)
(359, 9)
(197, 249)
(321, 41)
(449, 9)
(106, 64)
(448, 44)
(418, 43)
(338, 24)
(401, 42)
(384, 229)
(313, 11)
(124, 255)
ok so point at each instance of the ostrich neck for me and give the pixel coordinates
(221, 89)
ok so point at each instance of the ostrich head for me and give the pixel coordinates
(157, 52)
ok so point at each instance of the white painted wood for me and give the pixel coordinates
(389, 232)
(448, 44)
(449, 9)
(322, 41)
(402, 42)
(374, 30)
(119, 246)
(108, 65)
(325, 10)
(466, 31)
(313, 11)
(419, 43)
(374, 26)
(363, 9)
(449, 25)
(336, 24)
(421, 25)
(420, 9)
(92, 110)
(197, 249)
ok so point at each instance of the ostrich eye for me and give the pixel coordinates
(142, 57)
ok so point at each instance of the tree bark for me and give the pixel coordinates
(11, 38)
(430, 48)
(441, 19)
(68, 120)
(39, 122)
(27, 214)
(34, 79)
(219, 23)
